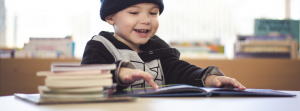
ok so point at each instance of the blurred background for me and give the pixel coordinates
(185, 24)
(224, 33)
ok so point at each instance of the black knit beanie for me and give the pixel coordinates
(109, 7)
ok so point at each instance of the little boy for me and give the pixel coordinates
(142, 58)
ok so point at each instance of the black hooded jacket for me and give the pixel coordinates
(157, 58)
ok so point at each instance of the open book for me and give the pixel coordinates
(192, 91)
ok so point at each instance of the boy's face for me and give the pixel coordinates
(135, 25)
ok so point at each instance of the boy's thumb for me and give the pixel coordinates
(218, 83)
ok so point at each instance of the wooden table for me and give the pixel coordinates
(10, 103)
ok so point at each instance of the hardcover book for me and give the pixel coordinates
(76, 67)
(36, 99)
(74, 83)
(82, 90)
(70, 73)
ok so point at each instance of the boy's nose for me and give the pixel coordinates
(145, 20)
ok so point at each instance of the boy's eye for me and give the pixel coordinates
(153, 13)
(133, 13)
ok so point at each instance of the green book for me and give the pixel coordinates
(267, 26)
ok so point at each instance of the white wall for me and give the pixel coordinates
(2, 23)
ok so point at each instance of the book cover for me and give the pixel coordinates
(36, 99)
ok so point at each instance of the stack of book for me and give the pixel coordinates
(269, 26)
(268, 46)
(75, 81)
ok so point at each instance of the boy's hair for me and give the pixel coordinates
(109, 7)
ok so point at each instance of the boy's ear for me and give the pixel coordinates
(109, 19)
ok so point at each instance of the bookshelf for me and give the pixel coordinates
(19, 75)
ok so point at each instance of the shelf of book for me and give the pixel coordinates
(267, 46)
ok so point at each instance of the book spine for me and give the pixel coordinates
(58, 68)
(75, 77)
(73, 73)
(266, 38)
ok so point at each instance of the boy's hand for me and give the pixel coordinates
(127, 75)
(223, 81)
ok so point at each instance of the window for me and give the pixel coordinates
(219, 20)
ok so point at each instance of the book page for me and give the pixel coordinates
(174, 87)
(210, 89)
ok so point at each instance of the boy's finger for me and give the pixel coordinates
(152, 83)
(148, 78)
(217, 83)
(127, 79)
(236, 84)
(232, 81)
(241, 87)
(227, 80)
(137, 76)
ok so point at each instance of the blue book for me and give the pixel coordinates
(193, 91)
(265, 37)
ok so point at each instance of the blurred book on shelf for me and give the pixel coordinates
(271, 26)
(266, 46)
(199, 49)
(47, 48)
(7, 52)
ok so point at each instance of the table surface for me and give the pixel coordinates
(10, 103)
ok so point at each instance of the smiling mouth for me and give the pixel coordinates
(141, 30)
